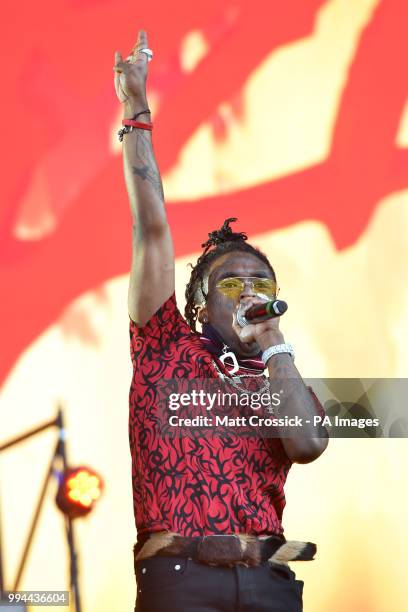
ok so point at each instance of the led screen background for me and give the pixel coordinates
(290, 116)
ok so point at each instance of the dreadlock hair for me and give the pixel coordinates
(224, 241)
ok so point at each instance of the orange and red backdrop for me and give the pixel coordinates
(292, 117)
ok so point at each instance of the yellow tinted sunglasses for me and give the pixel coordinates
(233, 287)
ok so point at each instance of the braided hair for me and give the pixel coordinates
(224, 241)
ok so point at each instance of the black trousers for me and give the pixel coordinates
(175, 584)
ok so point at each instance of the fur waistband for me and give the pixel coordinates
(227, 550)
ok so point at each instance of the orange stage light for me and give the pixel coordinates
(78, 491)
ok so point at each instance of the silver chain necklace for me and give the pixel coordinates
(232, 380)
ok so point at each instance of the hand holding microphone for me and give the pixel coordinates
(269, 338)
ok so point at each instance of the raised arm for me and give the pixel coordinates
(152, 271)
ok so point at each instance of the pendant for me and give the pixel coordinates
(232, 356)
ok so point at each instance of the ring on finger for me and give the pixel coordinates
(147, 52)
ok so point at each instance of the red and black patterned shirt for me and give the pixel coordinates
(195, 487)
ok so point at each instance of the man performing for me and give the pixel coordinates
(208, 510)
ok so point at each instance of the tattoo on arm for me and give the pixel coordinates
(146, 167)
(284, 368)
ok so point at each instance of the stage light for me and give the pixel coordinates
(78, 490)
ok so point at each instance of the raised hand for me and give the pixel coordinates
(131, 74)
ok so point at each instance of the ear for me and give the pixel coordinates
(203, 315)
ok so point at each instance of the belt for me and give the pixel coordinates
(227, 550)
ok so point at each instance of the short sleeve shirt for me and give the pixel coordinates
(184, 485)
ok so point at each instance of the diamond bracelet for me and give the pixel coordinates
(276, 349)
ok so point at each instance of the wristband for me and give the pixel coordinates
(276, 349)
(143, 112)
(130, 124)
(137, 124)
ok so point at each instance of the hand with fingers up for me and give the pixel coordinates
(131, 75)
(152, 272)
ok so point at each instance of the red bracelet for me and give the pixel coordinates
(129, 124)
(137, 124)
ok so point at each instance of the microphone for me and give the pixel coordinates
(267, 310)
